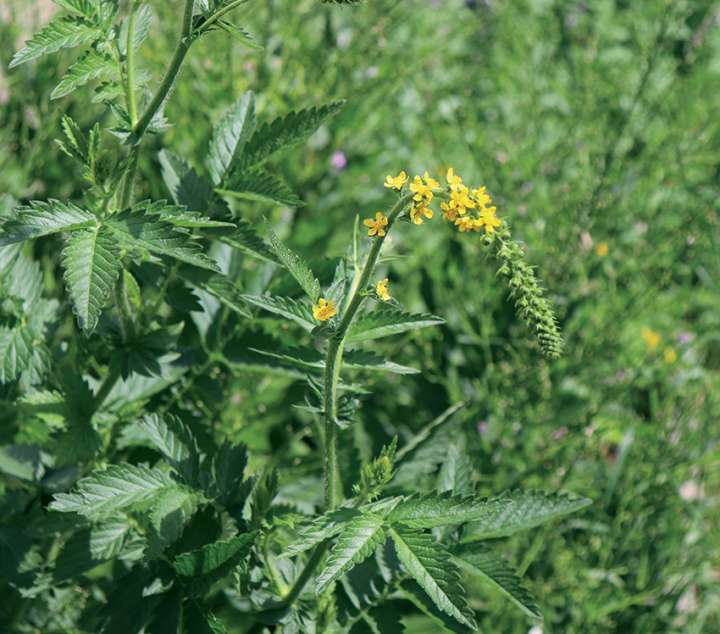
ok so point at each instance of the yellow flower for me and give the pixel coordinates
(376, 227)
(466, 223)
(423, 187)
(651, 338)
(601, 250)
(449, 212)
(396, 182)
(324, 310)
(481, 196)
(489, 220)
(452, 178)
(460, 200)
(418, 211)
(381, 289)
(670, 356)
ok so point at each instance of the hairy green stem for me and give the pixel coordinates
(140, 126)
(306, 573)
(334, 358)
(130, 66)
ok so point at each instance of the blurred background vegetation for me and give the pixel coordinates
(595, 126)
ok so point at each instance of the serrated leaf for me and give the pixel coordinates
(261, 186)
(170, 512)
(386, 322)
(357, 541)
(410, 590)
(120, 486)
(107, 537)
(65, 32)
(227, 469)
(219, 286)
(521, 510)
(311, 358)
(91, 259)
(143, 22)
(432, 510)
(16, 351)
(431, 566)
(21, 461)
(90, 67)
(230, 135)
(285, 132)
(240, 34)
(135, 229)
(456, 471)
(172, 438)
(321, 528)
(87, 8)
(296, 266)
(213, 556)
(481, 562)
(287, 307)
(42, 218)
(245, 238)
(186, 186)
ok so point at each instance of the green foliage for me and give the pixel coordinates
(229, 460)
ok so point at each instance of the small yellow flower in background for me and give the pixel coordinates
(489, 220)
(381, 289)
(651, 338)
(376, 227)
(324, 310)
(452, 178)
(396, 182)
(422, 187)
(601, 250)
(670, 356)
(418, 211)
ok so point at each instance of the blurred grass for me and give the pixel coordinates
(591, 124)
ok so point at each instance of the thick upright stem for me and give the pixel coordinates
(334, 358)
(140, 126)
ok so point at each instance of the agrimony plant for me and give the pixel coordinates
(124, 511)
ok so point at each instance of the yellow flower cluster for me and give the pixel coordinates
(381, 290)
(469, 209)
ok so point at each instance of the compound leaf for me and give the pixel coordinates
(296, 266)
(230, 136)
(433, 510)
(386, 322)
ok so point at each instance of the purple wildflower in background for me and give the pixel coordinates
(338, 160)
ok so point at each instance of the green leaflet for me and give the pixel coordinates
(136, 230)
(520, 510)
(285, 132)
(185, 185)
(42, 218)
(433, 510)
(481, 562)
(245, 238)
(213, 556)
(120, 486)
(313, 359)
(16, 351)
(297, 267)
(219, 286)
(230, 135)
(92, 66)
(386, 322)
(107, 537)
(431, 566)
(65, 32)
(262, 186)
(357, 541)
(321, 528)
(91, 259)
(172, 438)
(287, 307)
